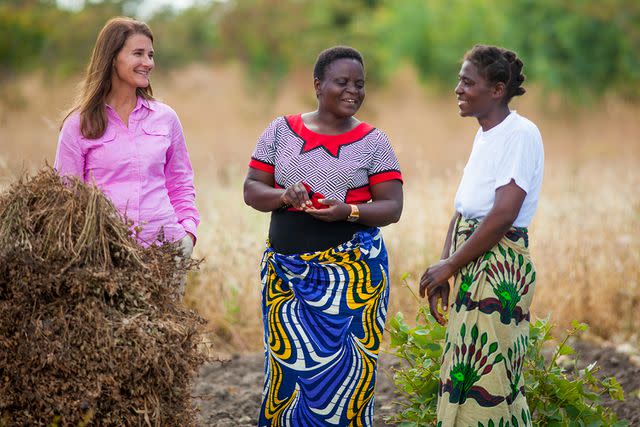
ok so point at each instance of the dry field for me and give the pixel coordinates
(585, 238)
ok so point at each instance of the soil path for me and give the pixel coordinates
(626, 371)
(229, 392)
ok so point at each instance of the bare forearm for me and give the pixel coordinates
(493, 227)
(380, 212)
(262, 197)
(446, 250)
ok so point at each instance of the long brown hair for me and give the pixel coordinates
(97, 82)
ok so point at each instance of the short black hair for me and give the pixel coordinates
(497, 64)
(332, 54)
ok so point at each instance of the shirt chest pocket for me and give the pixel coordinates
(153, 143)
(105, 152)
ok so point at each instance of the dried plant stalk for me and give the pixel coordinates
(90, 324)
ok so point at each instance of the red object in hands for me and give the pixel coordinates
(315, 197)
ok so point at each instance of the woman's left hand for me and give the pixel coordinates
(193, 238)
(336, 211)
(436, 274)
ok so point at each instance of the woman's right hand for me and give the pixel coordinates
(439, 290)
(435, 293)
(296, 196)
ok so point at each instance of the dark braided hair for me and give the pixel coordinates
(498, 65)
(327, 56)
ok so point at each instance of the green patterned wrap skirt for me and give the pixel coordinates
(481, 378)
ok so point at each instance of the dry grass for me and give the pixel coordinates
(585, 237)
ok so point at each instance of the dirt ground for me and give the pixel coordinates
(626, 371)
(228, 393)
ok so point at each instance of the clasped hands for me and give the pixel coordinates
(435, 283)
(297, 196)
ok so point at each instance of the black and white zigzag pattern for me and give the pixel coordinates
(325, 174)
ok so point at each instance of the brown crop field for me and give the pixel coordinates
(585, 238)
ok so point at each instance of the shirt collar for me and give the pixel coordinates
(140, 102)
(145, 103)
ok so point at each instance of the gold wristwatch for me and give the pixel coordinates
(355, 214)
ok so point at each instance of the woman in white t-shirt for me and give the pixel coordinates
(487, 251)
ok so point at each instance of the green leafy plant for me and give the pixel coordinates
(421, 350)
(557, 392)
(556, 398)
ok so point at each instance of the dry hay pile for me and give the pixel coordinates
(90, 326)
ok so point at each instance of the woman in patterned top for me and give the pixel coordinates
(329, 181)
(487, 250)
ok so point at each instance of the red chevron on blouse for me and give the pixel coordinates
(331, 143)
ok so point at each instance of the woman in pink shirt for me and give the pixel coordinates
(127, 143)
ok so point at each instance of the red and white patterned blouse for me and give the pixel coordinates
(341, 167)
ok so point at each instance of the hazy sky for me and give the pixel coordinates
(146, 8)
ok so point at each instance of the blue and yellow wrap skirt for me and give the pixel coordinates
(324, 314)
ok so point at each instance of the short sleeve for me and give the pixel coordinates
(264, 155)
(384, 164)
(517, 160)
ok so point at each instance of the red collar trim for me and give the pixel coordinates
(330, 143)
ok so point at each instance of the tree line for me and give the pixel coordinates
(582, 49)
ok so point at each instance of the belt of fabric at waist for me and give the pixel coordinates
(465, 227)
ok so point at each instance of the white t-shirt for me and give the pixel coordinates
(510, 150)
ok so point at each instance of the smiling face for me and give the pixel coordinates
(477, 97)
(134, 62)
(341, 91)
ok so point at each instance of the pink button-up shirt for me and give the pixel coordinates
(143, 168)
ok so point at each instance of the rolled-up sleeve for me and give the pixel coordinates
(179, 180)
(70, 159)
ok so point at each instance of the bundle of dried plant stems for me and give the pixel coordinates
(91, 327)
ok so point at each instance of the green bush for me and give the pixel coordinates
(555, 397)
(580, 48)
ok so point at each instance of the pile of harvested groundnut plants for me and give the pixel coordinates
(92, 330)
